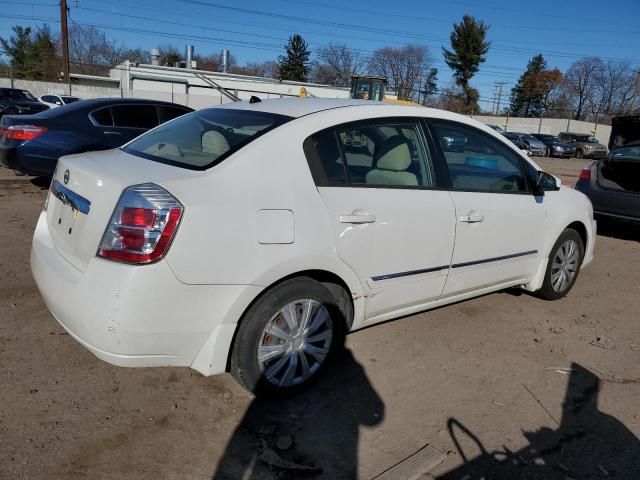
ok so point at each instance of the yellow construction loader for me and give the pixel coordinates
(366, 88)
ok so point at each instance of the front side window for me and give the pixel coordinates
(479, 162)
(135, 116)
(201, 139)
(386, 154)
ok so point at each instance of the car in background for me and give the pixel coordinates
(247, 238)
(14, 101)
(526, 142)
(613, 184)
(497, 128)
(587, 146)
(518, 142)
(53, 101)
(32, 144)
(453, 142)
(555, 147)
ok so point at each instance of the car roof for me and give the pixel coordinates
(298, 107)
(93, 103)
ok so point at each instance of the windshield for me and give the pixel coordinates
(69, 99)
(201, 139)
(586, 139)
(19, 95)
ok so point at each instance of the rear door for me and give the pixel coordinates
(390, 224)
(500, 224)
(118, 124)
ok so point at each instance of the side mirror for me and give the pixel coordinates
(547, 183)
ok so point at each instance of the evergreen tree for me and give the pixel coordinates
(16, 48)
(41, 62)
(526, 98)
(469, 48)
(295, 64)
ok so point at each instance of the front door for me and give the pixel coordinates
(500, 224)
(390, 226)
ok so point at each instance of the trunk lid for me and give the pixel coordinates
(84, 192)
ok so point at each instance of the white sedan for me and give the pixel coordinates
(251, 237)
(58, 100)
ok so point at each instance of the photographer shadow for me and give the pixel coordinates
(313, 434)
(587, 444)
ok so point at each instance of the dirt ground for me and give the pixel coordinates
(504, 386)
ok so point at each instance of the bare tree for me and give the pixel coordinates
(581, 84)
(336, 64)
(267, 69)
(403, 67)
(616, 88)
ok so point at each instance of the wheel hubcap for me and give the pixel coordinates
(564, 266)
(295, 342)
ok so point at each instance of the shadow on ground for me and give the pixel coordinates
(587, 444)
(618, 229)
(41, 182)
(310, 435)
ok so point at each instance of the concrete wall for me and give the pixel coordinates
(52, 88)
(552, 126)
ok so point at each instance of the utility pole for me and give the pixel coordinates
(636, 87)
(499, 84)
(64, 36)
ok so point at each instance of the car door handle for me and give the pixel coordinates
(111, 132)
(472, 218)
(357, 218)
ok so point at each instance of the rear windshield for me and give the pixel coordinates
(18, 95)
(201, 139)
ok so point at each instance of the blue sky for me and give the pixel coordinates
(256, 30)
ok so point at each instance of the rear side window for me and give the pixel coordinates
(478, 162)
(102, 117)
(169, 113)
(370, 154)
(135, 116)
(201, 139)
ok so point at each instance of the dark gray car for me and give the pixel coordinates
(613, 184)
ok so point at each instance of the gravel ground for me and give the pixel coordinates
(530, 389)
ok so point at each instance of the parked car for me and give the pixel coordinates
(518, 142)
(497, 128)
(247, 237)
(535, 146)
(613, 184)
(587, 146)
(555, 148)
(53, 101)
(14, 101)
(32, 144)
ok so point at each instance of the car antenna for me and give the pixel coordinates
(254, 99)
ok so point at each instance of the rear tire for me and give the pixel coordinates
(563, 266)
(287, 338)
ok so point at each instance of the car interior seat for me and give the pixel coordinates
(215, 143)
(391, 160)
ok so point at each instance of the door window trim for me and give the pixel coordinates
(530, 183)
(317, 170)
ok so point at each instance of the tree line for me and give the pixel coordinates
(590, 89)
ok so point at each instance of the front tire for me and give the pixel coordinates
(563, 266)
(287, 337)
(579, 153)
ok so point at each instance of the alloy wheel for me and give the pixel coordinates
(295, 342)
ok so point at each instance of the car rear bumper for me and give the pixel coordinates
(598, 154)
(138, 316)
(23, 162)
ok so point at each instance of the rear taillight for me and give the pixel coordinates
(585, 173)
(142, 226)
(23, 132)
